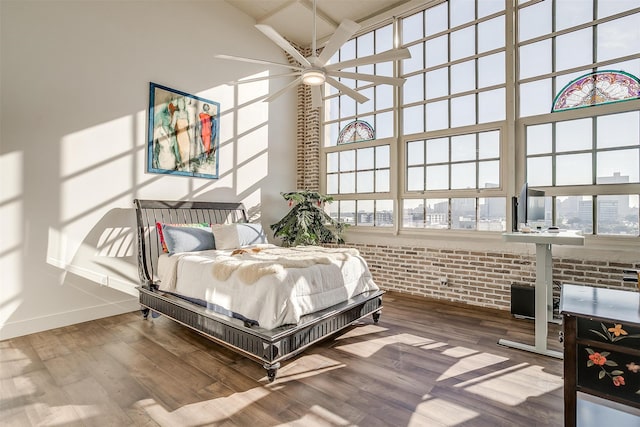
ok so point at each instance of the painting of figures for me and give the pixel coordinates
(183, 133)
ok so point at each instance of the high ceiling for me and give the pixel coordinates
(293, 19)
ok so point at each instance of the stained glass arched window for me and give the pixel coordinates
(600, 87)
(356, 131)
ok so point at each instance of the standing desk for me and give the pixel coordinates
(543, 286)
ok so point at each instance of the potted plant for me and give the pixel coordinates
(307, 223)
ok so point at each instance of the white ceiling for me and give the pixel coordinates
(293, 19)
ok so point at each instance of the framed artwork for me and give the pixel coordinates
(184, 133)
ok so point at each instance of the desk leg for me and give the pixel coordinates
(544, 304)
(544, 268)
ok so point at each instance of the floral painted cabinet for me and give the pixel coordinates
(601, 345)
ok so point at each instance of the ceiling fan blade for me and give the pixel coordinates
(368, 77)
(389, 55)
(316, 97)
(343, 33)
(258, 61)
(283, 90)
(347, 90)
(283, 43)
(258, 79)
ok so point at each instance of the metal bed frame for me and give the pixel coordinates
(269, 347)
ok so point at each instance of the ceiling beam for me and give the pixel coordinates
(321, 14)
(275, 11)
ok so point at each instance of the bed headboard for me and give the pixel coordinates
(149, 212)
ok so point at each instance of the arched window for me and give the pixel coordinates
(356, 131)
(600, 87)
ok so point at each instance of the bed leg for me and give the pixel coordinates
(272, 370)
(145, 312)
(376, 316)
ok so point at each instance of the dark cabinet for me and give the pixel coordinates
(601, 346)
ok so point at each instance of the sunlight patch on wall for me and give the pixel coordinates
(87, 149)
(248, 92)
(57, 245)
(12, 215)
(249, 174)
(514, 385)
(252, 204)
(12, 291)
(253, 143)
(252, 116)
(84, 192)
(12, 242)
(11, 170)
(227, 128)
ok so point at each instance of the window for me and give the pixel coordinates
(597, 88)
(359, 170)
(455, 80)
(448, 142)
(363, 212)
(586, 153)
(468, 161)
(378, 112)
(358, 139)
(485, 214)
(456, 75)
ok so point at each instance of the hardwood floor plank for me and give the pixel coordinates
(157, 380)
(45, 402)
(116, 380)
(426, 363)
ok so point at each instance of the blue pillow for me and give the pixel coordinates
(187, 239)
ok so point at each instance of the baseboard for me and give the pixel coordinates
(113, 282)
(38, 324)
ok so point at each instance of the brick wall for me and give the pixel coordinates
(478, 278)
(307, 136)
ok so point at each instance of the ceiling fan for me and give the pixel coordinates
(314, 70)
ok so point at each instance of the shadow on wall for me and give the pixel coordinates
(107, 255)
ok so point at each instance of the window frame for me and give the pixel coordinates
(512, 130)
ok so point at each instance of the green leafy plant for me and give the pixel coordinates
(307, 223)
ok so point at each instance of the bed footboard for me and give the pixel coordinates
(269, 347)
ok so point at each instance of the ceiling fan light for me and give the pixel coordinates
(313, 77)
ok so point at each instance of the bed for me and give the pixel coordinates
(172, 284)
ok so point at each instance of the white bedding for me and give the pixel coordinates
(274, 286)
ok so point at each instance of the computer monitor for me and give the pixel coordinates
(528, 207)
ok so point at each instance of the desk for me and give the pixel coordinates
(544, 284)
(587, 315)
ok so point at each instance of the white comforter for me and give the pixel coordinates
(274, 286)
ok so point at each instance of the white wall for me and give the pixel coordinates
(75, 82)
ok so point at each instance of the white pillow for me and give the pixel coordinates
(233, 236)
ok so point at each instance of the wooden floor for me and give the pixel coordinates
(424, 364)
